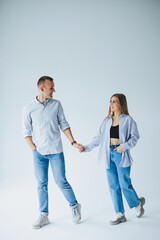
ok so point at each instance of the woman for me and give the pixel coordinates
(117, 134)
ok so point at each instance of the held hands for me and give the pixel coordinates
(79, 147)
(119, 149)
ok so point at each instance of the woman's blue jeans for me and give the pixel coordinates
(119, 181)
(41, 164)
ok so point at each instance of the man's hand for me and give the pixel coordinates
(78, 146)
(30, 142)
(34, 148)
(119, 149)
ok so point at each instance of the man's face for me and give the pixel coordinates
(48, 89)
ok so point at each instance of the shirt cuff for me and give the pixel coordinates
(124, 146)
(64, 127)
(27, 135)
(87, 148)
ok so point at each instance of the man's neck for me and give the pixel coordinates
(41, 99)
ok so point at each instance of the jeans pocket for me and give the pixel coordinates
(117, 152)
(118, 157)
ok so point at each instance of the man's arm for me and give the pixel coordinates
(27, 126)
(30, 143)
(69, 135)
(64, 126)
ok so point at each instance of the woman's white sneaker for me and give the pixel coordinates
(118, 218)
(139, 209)
(76, 213)
(41, 221)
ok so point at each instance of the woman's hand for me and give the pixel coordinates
(119, 149)
(82, 150)
(79, 147)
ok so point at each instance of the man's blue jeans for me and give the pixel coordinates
(119, 181)
(41, 164)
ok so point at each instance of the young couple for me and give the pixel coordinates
(42, 119)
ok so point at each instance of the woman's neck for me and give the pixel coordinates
(117, 115)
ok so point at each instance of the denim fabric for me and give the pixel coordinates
(120, 182)
(41, 164)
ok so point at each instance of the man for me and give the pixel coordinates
(41, 121)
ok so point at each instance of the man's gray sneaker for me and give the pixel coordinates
(41, 221)
(139, 209)
(76, 213)
(118, 218)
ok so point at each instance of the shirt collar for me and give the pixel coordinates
(45, 102)
(110, 116)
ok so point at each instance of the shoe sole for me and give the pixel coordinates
(121, 220)
(41, 226)
(142, 199)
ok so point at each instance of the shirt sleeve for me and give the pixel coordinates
(61, 118)
(95, 141)
(133, 136)
(26, 124)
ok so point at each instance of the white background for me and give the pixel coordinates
(92, 49)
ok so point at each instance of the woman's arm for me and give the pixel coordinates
(133, 137)
(95, 141)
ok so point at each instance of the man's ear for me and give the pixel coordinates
(41, 88)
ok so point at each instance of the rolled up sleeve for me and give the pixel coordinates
(26, 124)
(61, 118)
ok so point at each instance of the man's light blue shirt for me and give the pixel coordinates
(43, 123)
(128, 136)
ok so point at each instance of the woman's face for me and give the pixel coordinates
(115, 105)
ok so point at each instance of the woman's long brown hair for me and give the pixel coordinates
(123, 104)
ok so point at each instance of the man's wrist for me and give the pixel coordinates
(73, 142)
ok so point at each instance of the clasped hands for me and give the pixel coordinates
(79, 147)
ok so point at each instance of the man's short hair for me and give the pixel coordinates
(42, 79)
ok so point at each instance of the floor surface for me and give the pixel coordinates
(17, 211)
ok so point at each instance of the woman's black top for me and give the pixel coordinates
(114, 132)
